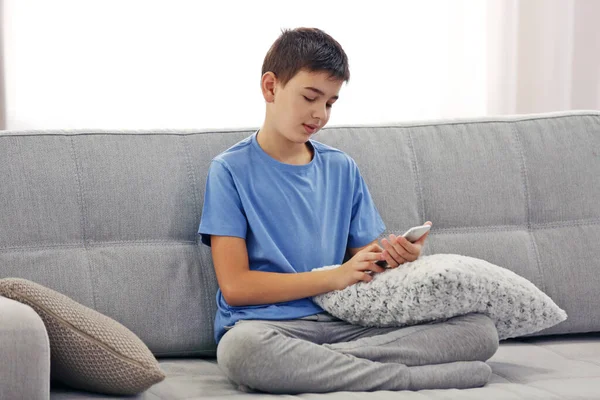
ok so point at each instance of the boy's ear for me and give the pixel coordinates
(267, 84)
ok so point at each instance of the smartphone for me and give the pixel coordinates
(412, 235)
(415, 233)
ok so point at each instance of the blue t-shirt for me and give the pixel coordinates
(293, 217)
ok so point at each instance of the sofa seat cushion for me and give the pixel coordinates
(540, 368)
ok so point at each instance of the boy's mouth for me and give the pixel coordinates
(310, 129)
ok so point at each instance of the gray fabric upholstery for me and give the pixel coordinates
(109, 218)
(550, 368)
(24, 353)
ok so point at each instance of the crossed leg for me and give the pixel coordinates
(300, 356)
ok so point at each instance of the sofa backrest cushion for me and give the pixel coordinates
(110, 218)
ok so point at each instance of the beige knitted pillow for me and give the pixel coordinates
(89, 350)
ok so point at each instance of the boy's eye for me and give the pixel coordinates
(311, 100)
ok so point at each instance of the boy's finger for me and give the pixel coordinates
(372, 247)
(372, 257)
(392, 250)
(391, 261)
(376, 268)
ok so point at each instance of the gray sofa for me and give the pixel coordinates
(110, 219)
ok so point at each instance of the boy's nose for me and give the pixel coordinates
(320, 113)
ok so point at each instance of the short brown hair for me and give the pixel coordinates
(306, 48)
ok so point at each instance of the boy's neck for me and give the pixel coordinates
(282, 149)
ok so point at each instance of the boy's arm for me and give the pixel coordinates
(241, 286)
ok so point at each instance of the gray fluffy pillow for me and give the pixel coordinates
(441, 286)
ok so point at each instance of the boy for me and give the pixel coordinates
(277, 205)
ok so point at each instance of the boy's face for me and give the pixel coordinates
(301, 108)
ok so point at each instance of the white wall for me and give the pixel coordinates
(175, 63)
(543, 55)
(197, 64)
(2, 101)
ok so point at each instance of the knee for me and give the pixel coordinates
(239, 350)
(486, 336)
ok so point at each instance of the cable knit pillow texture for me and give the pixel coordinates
(442, 286)
(89, 350)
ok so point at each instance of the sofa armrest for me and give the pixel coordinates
(24, 353)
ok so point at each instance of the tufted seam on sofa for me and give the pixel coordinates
(519, 382)
(563, 356)
(555, 395)
(438, 231)
(121, 243)
(191, 177)
(525, 182)
(197, 212)
(509, 228)
(83, 219)
(418, 185)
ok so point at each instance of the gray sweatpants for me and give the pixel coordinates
(321, 353)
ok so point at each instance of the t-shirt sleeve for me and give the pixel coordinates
(366, 223)
(222, 212)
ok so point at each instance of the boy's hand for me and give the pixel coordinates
(355, 269)
(398, 250)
